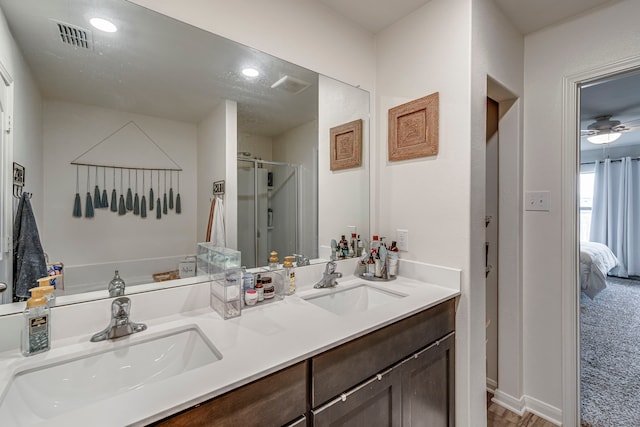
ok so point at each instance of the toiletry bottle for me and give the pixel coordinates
(334, 250)
(36, 335)
(353, 246)
(361, 249)
(345, 247)
(45, 282)
(290, 274)
(393, 259)
(375, 243)
(259, 288)
(273, 260)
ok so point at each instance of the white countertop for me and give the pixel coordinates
(263, 340)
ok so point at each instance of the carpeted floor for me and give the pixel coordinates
(610, 355)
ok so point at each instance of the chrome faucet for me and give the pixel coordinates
(120, 324)
(328, 277)
(301, 260)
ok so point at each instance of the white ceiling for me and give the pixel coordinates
(526, 15)
(155, 65)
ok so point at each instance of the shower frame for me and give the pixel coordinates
(296, 173)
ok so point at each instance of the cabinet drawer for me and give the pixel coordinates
(351, 363)
(274, 401)
(376, 402)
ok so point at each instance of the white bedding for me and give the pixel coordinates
(596, 260)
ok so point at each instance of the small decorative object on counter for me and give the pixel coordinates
(289, 275)
(273, 260)
(269, 288)
(361, 248)
(116, 285)
(36, 336)
(222, 266)
(251, 297)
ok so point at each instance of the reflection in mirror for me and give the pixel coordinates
(183, 90)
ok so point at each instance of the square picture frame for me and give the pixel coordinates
(345, 146)
(414, 129)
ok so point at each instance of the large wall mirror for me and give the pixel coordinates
(162, 106)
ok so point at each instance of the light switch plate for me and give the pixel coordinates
(402, 239)
(537, 201)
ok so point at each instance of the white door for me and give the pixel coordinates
(6, 185)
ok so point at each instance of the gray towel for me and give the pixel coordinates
(28, 257)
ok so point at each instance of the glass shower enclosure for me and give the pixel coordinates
(267, 210)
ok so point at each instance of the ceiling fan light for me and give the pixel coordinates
(604, 138)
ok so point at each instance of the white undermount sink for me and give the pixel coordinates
(354, 299)
(40, 393)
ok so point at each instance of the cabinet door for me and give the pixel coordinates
(375, 403)
(428, 393)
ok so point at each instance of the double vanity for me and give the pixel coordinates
(357, 352)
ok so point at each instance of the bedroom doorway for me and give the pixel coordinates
(609, 250)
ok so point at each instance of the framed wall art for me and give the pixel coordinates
(413, 129)
(346, 146)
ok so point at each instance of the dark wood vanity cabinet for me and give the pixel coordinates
(400, 375)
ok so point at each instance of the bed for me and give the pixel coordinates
(596, 261)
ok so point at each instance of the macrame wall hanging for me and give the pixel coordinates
(129, 142)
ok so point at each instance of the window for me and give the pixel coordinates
(586, 204)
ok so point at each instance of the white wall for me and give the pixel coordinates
(27, 118)
(430, 196)
(258, 145)
(497, 71)
(551, 54)
(211, 163)
(71, 129)
(300, 146)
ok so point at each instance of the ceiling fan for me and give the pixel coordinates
(605, 131)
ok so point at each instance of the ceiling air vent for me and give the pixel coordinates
(74, 36)
(291, 84)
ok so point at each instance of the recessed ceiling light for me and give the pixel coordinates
(250, 72)
(103, 25)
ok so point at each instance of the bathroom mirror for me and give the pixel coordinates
(143, 101)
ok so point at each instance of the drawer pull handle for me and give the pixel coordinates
(379, 377)
(343, 397)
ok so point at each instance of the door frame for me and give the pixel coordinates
(569, 215)
(6, 185)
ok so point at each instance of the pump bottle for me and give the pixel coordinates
(36, 335)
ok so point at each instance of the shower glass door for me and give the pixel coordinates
(267, 210)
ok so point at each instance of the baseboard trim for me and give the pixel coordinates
(543, 410)
(516, 406)
(491, 385)
(527, 404)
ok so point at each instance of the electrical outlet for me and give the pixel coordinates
(350, 230)
(402, 239)
(537, 201)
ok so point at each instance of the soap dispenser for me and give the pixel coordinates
(45, 282)
(36, 335)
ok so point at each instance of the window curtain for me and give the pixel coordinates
(615, 219)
